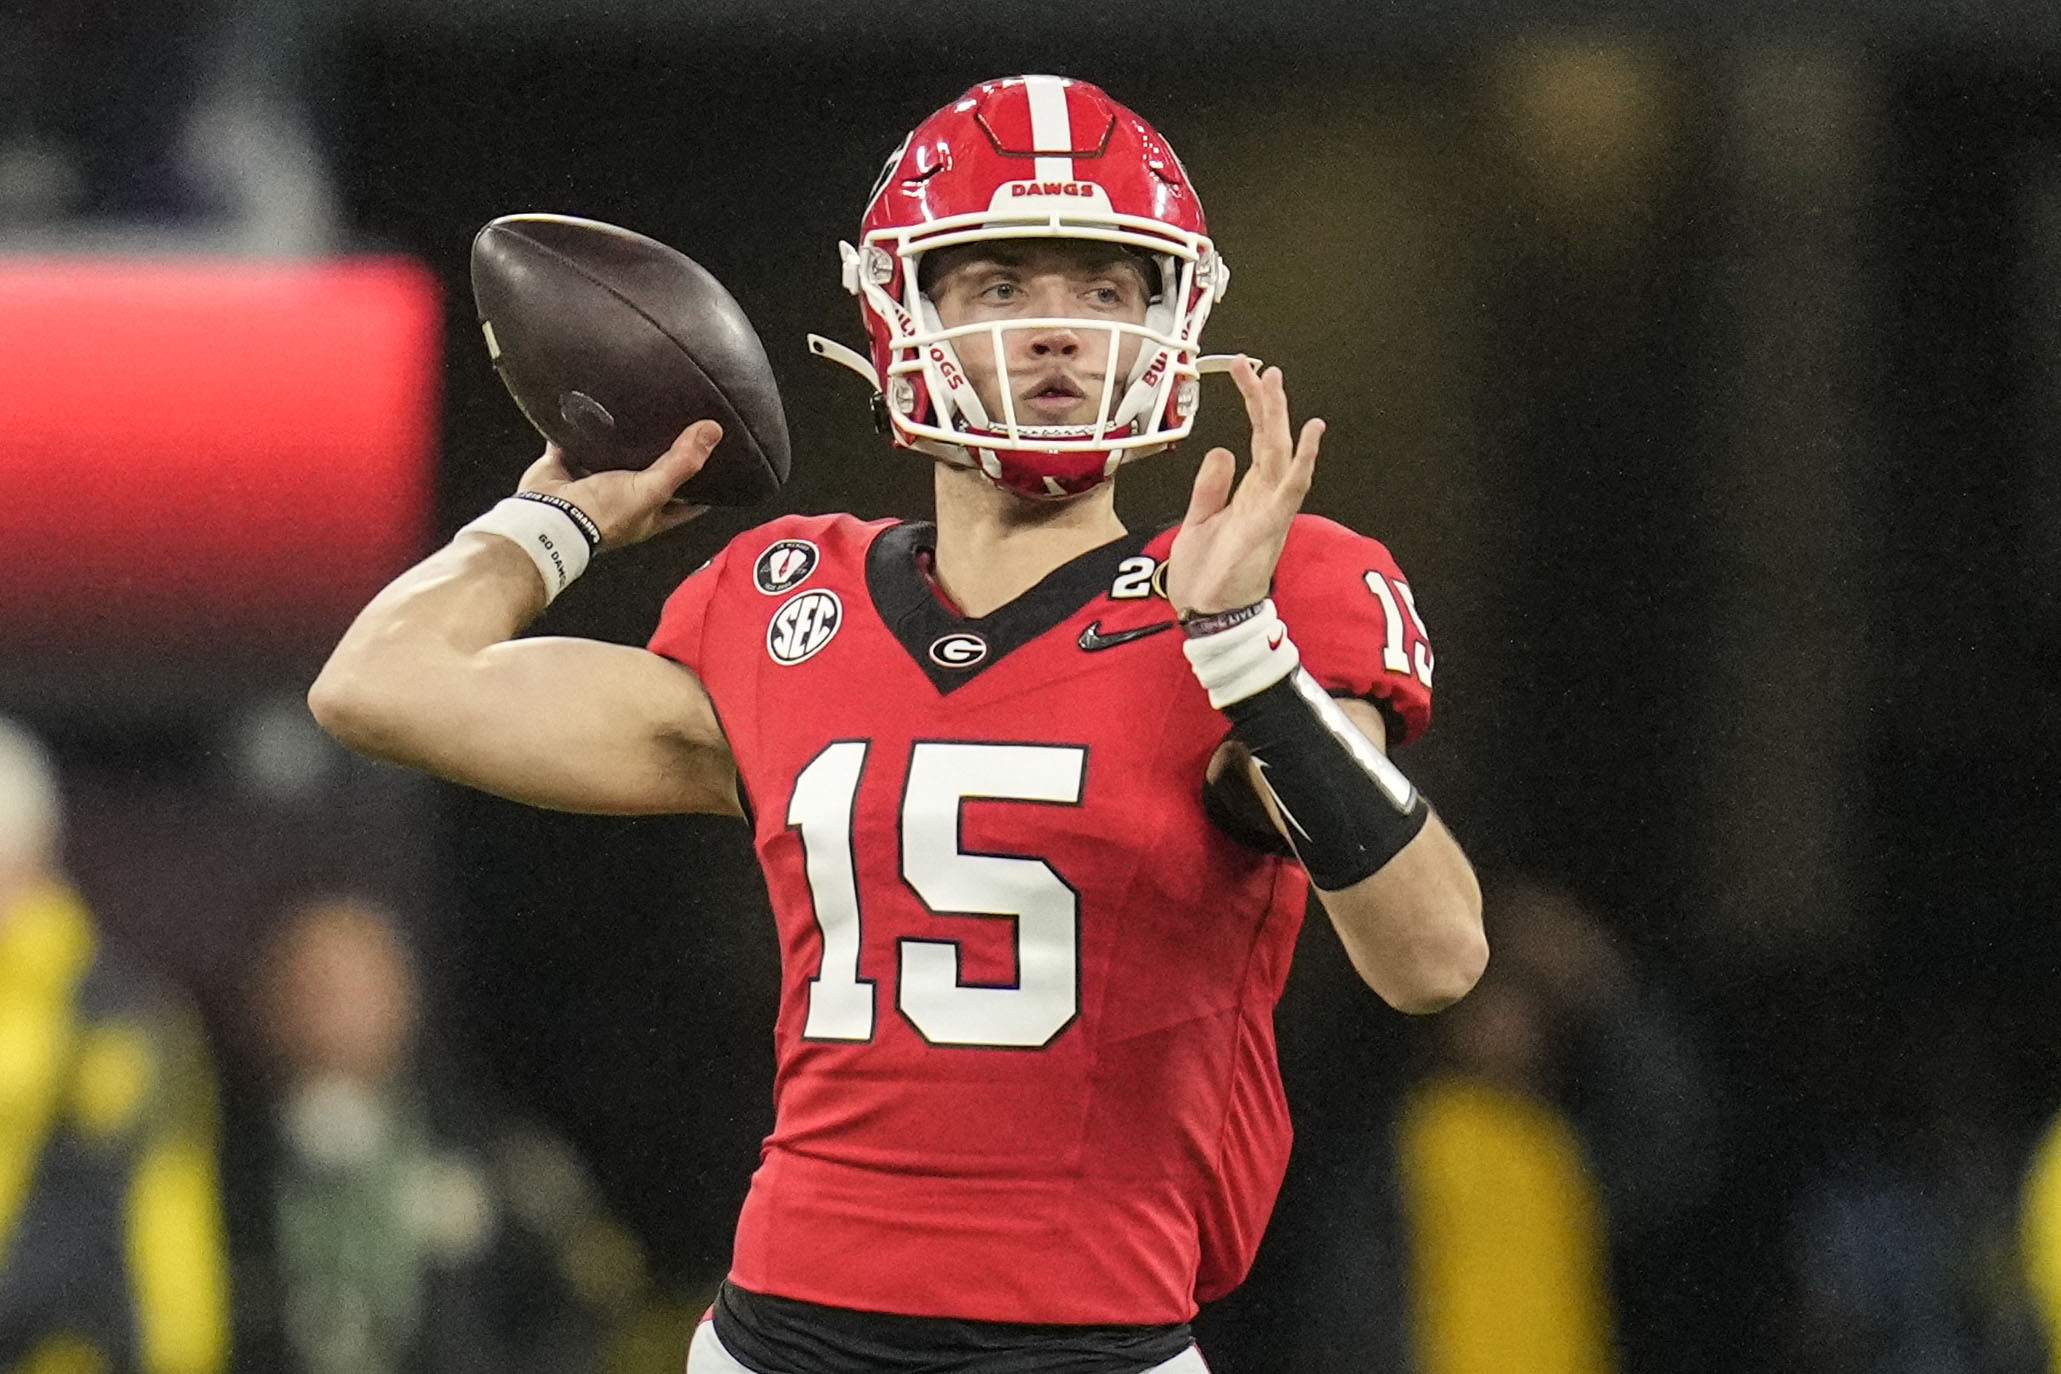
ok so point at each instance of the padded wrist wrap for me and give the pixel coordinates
(1348, 809)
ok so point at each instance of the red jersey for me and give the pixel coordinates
(1026, 1065)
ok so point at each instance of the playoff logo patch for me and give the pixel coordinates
(784, 566)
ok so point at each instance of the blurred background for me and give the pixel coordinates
(1701, 366)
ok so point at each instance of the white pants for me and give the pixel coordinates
(707, 1356)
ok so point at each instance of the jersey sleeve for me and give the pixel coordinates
(1354, 618)
(685, 618)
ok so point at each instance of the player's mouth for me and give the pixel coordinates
(1055, 400)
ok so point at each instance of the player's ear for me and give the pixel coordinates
(1147, 268)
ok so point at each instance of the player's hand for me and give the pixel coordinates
(1224, 556)
(630, 507)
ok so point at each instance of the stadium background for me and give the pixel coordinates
(1703, 369)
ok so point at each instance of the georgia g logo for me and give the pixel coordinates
(958, 650)
(784, 565)
(803, 626)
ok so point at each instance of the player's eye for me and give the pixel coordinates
(1000, 291)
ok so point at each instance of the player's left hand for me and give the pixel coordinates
(1224, 556)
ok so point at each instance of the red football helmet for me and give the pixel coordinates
(1031, 157)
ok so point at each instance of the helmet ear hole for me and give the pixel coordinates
(1158, 271)
(930, 266)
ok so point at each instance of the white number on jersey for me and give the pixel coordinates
(840, 1002)
(1045, 997)
(1390, 592)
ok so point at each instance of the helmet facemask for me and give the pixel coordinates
(1136, 407)
(933, 406)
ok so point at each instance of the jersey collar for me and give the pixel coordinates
(935, 636)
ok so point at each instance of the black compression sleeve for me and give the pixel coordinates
(1348, 809)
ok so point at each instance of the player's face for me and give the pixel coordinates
(1054, 374)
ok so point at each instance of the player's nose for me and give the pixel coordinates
(1054, 341)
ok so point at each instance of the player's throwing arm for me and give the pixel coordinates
(431, 676)
(654, 393)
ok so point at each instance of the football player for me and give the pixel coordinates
(1039, 800)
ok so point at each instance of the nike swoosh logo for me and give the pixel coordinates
(1092, 638)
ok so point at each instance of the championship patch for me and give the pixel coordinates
(784, 565)
(803, 626)
(1138, 577)
(958, 650)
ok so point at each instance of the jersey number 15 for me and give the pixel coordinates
(930, 993)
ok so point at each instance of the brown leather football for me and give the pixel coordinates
(612, 343)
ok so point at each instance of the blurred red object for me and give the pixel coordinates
(215, 459)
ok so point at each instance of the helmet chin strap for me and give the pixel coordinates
(969, 457)
(966, 456)
(844, 356)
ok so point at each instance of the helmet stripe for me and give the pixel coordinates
(1051, 127)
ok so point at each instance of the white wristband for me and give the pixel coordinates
(1249, 657)
(546, 531)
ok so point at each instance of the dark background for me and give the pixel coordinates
(1703, 371)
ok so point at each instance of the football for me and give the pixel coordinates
(612, 343)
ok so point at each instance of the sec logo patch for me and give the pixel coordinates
(784, 565)
(803, 626)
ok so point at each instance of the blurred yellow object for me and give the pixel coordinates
(107, 1112)
(605, 1265)
(64, 1354)
(110, 1080)
(654, 1339)
(2039, 1231)
(1508, 1266)
(175, 1249)
(46, 946)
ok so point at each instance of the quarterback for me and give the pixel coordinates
(1040, 800)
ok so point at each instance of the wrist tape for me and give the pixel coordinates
(1348, 809)
(559, 537)
(1253, 653)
